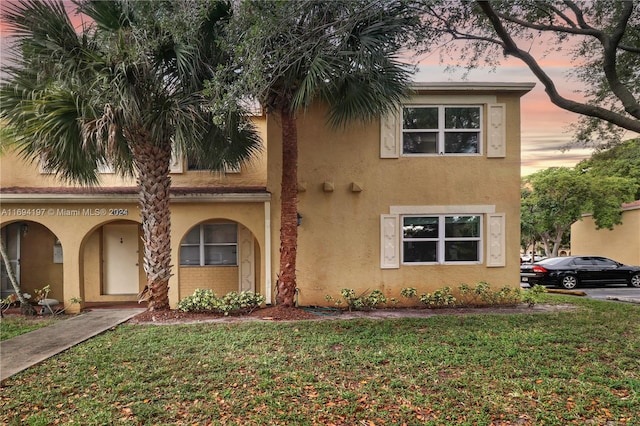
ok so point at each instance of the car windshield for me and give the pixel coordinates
(552, 261)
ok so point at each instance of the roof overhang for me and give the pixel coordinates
(130, 195)
(493, 87)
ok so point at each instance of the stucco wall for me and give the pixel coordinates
(16, 172)
(221, 280)
(339, 238)
(622, 243)
(78, 227)
(36, 262)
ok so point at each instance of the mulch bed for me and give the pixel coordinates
(273, 313)
(280, 313)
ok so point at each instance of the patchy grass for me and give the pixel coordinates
(15, 325)
(579, 367)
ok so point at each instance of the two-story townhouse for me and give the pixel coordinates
(426, 197)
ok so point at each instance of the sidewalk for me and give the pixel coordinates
(21, 352)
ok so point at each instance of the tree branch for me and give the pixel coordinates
(579, 15)
(511, 48)
(610, 44)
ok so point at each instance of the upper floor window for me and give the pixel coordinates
(210, 244)
(441, 239)
(441, 130)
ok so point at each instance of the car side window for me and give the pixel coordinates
(604, 262)
(582, 261)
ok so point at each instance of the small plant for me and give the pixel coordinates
(439, 298)
(509, 296)
(200, 300)
(364, 301)
(75, 300)
(483, 294)
(409, 292)
(483, 291)
(246, 301)
(533, 295)
(42, 293)
(375, 298)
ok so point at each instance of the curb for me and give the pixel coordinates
(624, 299)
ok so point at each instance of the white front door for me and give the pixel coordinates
(120, 251)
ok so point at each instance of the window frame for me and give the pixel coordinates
(442, 130)
(202, 245)
(442, 239)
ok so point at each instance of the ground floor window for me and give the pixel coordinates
(210, 244)
(441, 239)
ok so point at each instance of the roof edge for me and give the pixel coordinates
(485, 86)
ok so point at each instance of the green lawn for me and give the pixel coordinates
(14, 325)
(580, 367)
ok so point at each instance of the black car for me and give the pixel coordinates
(572, 271)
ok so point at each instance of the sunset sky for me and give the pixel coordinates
(545, 127)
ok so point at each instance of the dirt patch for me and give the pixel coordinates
(279, 313)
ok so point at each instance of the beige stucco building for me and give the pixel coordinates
(622, 243)
(426, 197)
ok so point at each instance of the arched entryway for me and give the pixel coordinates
(220, 255)
(112, 262)
(36, 258)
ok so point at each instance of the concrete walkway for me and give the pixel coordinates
(21, 352)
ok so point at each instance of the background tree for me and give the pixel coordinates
(528, 235)
(291, 54)
(555, 198)
(621, 160)
(121, 91)
(602, 38)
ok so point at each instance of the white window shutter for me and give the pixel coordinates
(389, 241)
(390, 134)
(105, 168)
(496, 251)
(176, 165)
(496, 131)
(246, 260)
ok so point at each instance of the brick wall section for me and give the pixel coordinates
(220, 279)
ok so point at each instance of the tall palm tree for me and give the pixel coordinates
(344, 53)
(122, 91)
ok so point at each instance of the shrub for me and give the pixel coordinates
(439, 298)
(483, 294)
(205, 300)
(532, 296)
(478, 295)
(364, 301)
(200, 300)
(246, 301)
(408, 292)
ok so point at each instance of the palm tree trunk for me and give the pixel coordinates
(154, 182)
(289, 210)
(10, 274)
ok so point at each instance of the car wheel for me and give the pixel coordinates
(569, 282)
(634, 281)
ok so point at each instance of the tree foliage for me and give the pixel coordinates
(553, 199)
(124, 90)
(621, 160)
(601, 38)
(291, 54)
